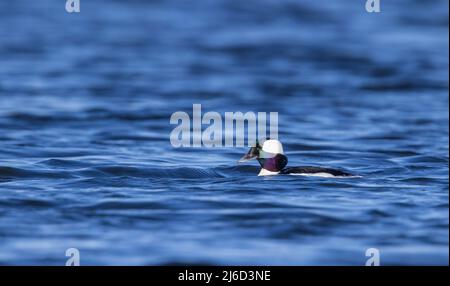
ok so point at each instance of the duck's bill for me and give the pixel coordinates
(246, 158)
(252, 154)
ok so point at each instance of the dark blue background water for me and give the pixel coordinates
(86, 161)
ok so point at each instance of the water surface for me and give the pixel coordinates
(86, 161)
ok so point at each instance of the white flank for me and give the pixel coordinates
(265, 172)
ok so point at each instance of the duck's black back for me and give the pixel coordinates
(314, 170)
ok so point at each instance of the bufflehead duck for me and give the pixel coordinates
(273, 162)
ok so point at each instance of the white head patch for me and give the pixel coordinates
(272, 146)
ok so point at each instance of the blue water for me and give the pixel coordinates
(86, 161)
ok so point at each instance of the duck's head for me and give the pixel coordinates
(270, 155)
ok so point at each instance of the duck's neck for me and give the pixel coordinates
(265, 172)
